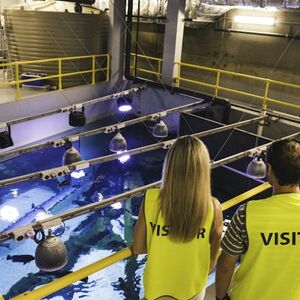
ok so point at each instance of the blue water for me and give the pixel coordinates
(89, 237)
(92, 236)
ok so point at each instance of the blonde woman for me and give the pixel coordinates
(180, 225)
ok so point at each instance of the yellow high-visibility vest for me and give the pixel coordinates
(270, 269)
(179, 270)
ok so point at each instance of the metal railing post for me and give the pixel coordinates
(18, 94)
(179, 74)
(93, 69)
(217, 83)
(134, 63)
(177, 78)
(59, 74)
(159, 69)
(264, 104)
(107, 67)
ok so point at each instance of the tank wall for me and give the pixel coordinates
(265, 56)
(272, 54)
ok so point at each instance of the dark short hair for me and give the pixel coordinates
(284, 158)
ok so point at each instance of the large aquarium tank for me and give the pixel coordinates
(88, 238)
(96, 235)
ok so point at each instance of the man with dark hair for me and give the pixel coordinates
(266, 235)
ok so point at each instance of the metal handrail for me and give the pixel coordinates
(69, 279)
(147, 56)
(156, 72)
(217, 87)
(60, 75)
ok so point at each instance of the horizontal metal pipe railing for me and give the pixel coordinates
(264, 98)
(133, 193)
(66, 109)
(81, 72)
(244, 196)
(147, 71)
(149, 58)
(24, 150)
(135, 151)
(239, 75)
(67, 280)
(219, 70)
(53, 59)
(217, 86)
(60, 75)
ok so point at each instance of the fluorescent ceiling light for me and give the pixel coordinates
(254, 20)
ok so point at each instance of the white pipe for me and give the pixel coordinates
(102, 159)
(109, 128)
(4, 236)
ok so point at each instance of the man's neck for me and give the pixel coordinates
(285, 189)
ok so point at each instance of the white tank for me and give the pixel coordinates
(52, 29)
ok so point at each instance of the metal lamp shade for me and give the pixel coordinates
(257, 168)
(160, 130)
(118, 143)
(71, 156)
(51, 254)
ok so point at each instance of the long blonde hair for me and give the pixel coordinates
(185, 195)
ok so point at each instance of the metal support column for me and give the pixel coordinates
(116, 46)
(173, 40)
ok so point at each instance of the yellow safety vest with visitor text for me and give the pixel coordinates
(176, 269)
(270, 269)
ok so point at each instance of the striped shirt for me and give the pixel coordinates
(235, 240)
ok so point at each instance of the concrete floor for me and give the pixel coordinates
(8, 93)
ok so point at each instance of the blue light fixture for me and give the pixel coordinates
(125, 103)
